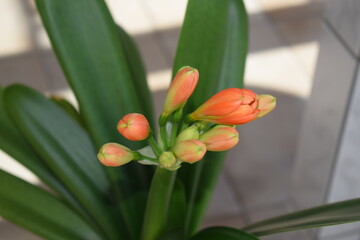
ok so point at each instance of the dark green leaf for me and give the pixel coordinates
(213, 40)
(65, 148)
(86, 42)
(177, 208)
(40, 212)
(330, 214)
(14, 144)
(68, 107)
(133, 208)
(223, 233)
(138, 73)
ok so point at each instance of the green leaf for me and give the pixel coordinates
(40, 212)
(223, 233)
(138, 73)
(214, 40)
(329, 214)
(133, 208)
(66, 149)
(87, 44)
(68, 107)
(13, 143)
(158, 203)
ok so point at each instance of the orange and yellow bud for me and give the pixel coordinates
(234, 106)
(220, 138)
(168, 160)
(267, 103)
(134, 126)
(188, 134)
(114, 155)
(189, 151)
(181, 88)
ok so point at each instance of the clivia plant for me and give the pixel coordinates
(156, 182)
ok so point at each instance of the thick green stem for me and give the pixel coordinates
(157, 207)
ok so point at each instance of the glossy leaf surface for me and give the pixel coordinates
(89, 47)
(330, 214)
(13, 143)
(40, 212)
(86, 41)
(213, 40)
(65, 148)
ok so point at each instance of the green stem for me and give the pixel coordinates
(164, 136)
(173, 135)
(154, 146)
(158, 202)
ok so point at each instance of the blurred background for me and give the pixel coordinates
(304, 52)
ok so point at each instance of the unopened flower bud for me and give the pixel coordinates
(234, 106)
(220, 138)
(267, 103)
(168, 160)
(180, 90)
(134, 126)
(188, 134)
(189, 151)
(114, 155)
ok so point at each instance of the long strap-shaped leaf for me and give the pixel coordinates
(86, 42)
(223, 233)
(330, 214)
(213, 40)
(66, 148)
(137, 72)
(13, 143)
(88, 46)
(38, 211)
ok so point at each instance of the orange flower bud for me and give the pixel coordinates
(220, 138)
(189, 151)
(114, 155)
(134, 126)
(180, 89)
(188, 134)
(234, 106)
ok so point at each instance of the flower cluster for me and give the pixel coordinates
(211, 127)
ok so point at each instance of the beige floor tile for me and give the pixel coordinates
(260, 165)
(170, 39)
(8, 231)
(272, 63)
(152, 52)
(345, 19)
(165, 13)
(22, 68)
(223, 202)
(14, 31)
(228, 221)
(131, 15)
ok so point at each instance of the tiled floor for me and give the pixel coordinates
(254, 183)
